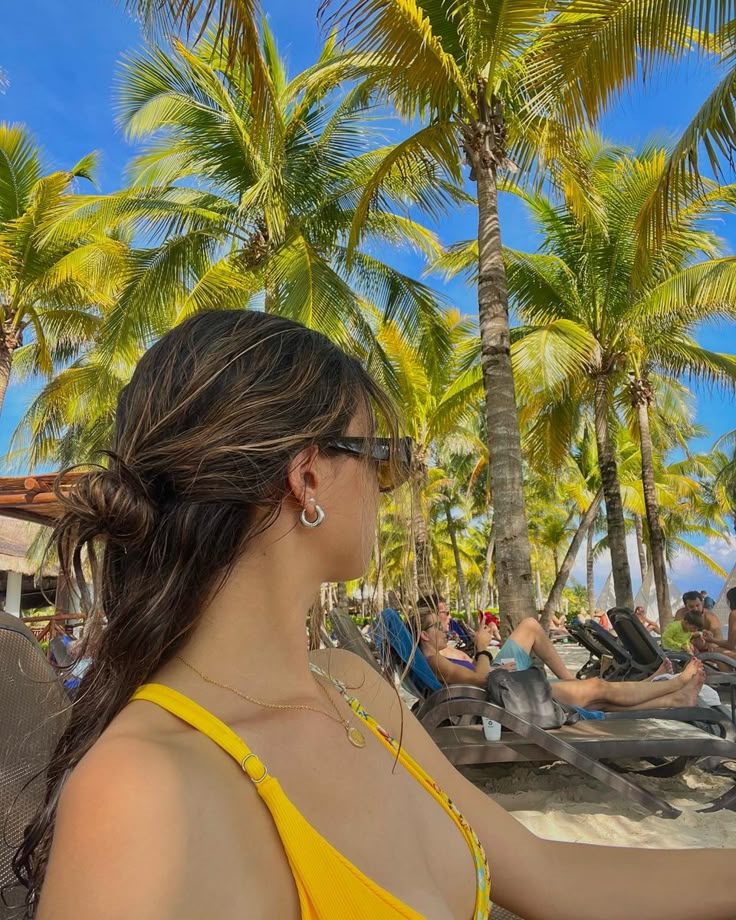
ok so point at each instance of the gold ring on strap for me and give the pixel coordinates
(252, 779)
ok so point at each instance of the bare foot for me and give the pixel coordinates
(688, 695)
(693, 671)
(664, 668)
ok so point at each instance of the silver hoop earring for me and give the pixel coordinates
(304, 520)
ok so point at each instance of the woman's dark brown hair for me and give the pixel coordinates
(204, 436)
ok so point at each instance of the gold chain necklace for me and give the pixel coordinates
(355, 735)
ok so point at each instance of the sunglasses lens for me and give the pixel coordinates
(385, 478)
(395, 472)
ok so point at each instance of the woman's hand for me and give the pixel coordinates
(482, 638)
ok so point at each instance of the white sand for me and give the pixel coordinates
(560, 803)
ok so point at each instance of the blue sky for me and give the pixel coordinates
(60, 59)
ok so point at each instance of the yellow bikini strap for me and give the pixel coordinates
(198, 717)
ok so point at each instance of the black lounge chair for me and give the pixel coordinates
(599, 643)
(33, 712)
(659, 736)
(649, 655)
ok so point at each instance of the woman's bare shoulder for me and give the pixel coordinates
(121, 804)
(149, 809)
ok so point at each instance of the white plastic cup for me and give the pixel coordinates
(491, 729)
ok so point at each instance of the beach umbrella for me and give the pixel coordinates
(607, 597)
(721, 608)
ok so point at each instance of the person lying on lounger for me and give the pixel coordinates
(648, 624)
(530, 639)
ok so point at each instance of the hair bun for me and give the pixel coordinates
(113, 503)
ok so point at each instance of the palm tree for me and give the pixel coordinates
(491, 82)
(710, 135)
(237, 213)
(236, 20)
(52, 293)
(565, 505)
(594, 322)
(437, 395)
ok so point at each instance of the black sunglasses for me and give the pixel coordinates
(392, 457)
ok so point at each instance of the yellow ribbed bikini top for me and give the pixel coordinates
(330, 887)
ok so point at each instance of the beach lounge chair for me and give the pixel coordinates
(33, 713)
(649, 655)
(643, 735)
(647, 652)
(599, 643)
(350, 637)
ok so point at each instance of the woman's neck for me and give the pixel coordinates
(252, 634)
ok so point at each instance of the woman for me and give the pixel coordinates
(243, 475)
(529, 639)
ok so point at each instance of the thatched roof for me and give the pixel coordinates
(17, 539)
(31, 498)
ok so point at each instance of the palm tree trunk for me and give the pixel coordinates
(656, 537)
(538, 586)
(380, 593)
(589, 577)
(342, 596)
(640, 548)
(461, 583)
(584, 527)
(485, 579)
(421, 536)
(9, 341)
(612, 492)
(513, 555)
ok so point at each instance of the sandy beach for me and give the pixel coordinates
(560, 803)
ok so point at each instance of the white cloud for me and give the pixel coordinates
(602, 566)
(688, 573)
(694, 575)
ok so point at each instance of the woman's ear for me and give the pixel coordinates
(304, 477)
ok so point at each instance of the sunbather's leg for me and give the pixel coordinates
(721, 665)
(612, 696)
(530, 636)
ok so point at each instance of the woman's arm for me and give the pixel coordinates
(525, 870)
(449, 672)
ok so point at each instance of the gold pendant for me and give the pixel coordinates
(355, 737)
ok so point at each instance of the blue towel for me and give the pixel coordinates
(589, 713)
